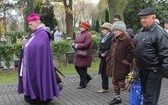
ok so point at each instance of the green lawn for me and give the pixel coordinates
(10, 76)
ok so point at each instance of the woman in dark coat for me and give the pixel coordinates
(104, 47)
(83, 44)
(120, 59)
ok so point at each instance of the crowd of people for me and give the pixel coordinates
(119, 49)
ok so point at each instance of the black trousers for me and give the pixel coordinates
(84, 76)
(104, 77)
(151, 85)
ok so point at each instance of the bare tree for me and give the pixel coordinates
(111, 9)
(83, 10)
(60, 15)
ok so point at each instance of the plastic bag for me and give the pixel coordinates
(136, 97)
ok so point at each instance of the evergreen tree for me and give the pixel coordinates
(133, 7)
(106, 16)
(46, 11)
(97, 27)
(131, 11)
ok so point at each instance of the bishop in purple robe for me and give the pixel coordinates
(37, 80)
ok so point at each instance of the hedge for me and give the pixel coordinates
(59, 49)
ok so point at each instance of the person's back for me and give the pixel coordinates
(57, 36)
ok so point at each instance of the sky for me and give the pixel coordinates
(95, 1)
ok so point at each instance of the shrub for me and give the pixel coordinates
(61, 48)
(95, 45)
(6, 54)
(16, 35)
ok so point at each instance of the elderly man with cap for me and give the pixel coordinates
(120, 59)
(151, 55)
(83, 54)
(37, 79)
(104, 48)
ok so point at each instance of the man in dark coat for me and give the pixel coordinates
(151, 55)
(37, 79)
(104, 47)
(83, 44)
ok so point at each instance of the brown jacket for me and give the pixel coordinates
(120, 57)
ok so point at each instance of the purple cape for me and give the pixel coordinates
(40, 79)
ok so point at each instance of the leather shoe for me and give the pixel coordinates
(115, 101)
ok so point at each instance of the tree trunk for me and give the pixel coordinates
(29, 9)
(68, 17)
(116, 6)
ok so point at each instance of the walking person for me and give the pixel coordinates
(83, 54)
(37, 79)
(151, 55)
(104, 48)
(119, 59)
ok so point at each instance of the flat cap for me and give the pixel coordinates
(146, 11)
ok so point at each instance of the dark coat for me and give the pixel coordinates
(104, 48)
(84, 42)
(120, 57)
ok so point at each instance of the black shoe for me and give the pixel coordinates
(60, 86)
(88, 80)
(115, 101)
(81, 87)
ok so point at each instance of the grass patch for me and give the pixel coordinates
(10, 76)
(70, 69)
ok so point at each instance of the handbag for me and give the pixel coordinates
(82, 53)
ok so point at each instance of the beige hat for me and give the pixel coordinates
(107, 25)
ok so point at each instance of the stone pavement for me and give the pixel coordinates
(70, 95)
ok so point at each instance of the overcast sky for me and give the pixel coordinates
(95, 1)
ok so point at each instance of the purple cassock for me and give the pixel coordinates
(36, 71)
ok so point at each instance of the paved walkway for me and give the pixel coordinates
(70, 95)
